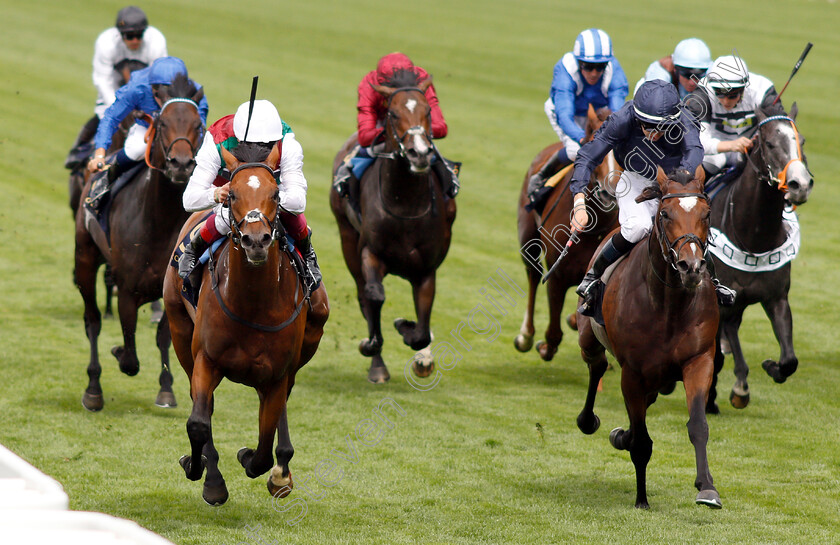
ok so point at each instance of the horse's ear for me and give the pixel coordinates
(198, 95)
(273, 157)
(423, 85)
(760, 115)
(648, 193)
(383, 90)
(231, 162)
(794, 109)
(592, 115)
(700, 175)
(661, 177)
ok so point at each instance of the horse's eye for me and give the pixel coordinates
(663, 214)
(771, 145)
(231, 196)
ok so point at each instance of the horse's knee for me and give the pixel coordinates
(198, 430)
(375, 293)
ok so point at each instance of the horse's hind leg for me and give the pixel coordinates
(280, 482)
(371, 299)
(533, 270)
(556, 290)
(697, 377)
(165, 397)
(110, 283)
(780, 316)
(729, 325)
(127, 354)
(203, 381)
(84, 276)
(594, 355)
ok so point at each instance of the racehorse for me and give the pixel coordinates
(144, 220)
(251, 325)
(750, 216)
(547, 234)
(660, 316)
(406, 223)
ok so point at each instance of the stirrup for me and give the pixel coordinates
(725, 296)
(584, 289)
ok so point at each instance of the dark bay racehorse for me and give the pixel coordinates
(749, 213)
(145, 218)
(406, 223)
(252, 326)
(660, 314)
(547, 234)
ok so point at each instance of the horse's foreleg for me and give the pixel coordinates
(556, 291)
(272, 410)
(594, 355)
(204, 380)
(780, 316)
(729, 325)
(165, 397)
(280, 480)
(697, 378)
(711, 403)
(525, 339)
(84, 276)
(636, 439)
(127, 354)
(417, 334)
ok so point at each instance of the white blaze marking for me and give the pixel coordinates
(411, 104)
(693, 248)
(787, 131)
(254, 182)
(688, 203)
(249, 217)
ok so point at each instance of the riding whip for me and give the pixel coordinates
(251, 106)
(562, 255)
(795, 69)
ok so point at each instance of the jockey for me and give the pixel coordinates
(142, 92)
(635, 134)
(684, 68)
(209, 184)
(589, 74)
(725, 105)
(130, 39)
(372, 109)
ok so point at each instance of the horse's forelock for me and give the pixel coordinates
(403, 78)
(251, 152)
(681, 176)
(181, 87)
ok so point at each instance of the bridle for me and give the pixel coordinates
(775, 179)
(415, 130)
(277, 231)
(151, 134)
(671, 249)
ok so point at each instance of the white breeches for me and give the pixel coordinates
(636, 218)
(572, 146)
(135, 147)
(715, 163)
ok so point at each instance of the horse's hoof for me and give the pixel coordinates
(571, 321)
(709, 498)
(129, 368)
(379, 375)
(244, 456)
(523, 343)
(368, 348)
(166, 400)
(725, 348)
(545, 351)
(215, 495)
(93, 402)
(278, 485)
(422, 369)
(772, 369)
(588, 425)
(186, 464)
(615, 437)
(157, 313)
(739, 401)
(642, 505)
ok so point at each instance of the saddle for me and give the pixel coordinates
(103, 213)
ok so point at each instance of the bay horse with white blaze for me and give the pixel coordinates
(406, 222)
(144, 220)
(546, 234)
(753, 232)
(660, 317)
(254, 324)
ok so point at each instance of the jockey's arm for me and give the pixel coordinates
(439, 128)
(200, 193)
(104, 59)
(292, 182)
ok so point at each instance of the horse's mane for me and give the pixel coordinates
(251, 152)
(403, 77)
(182, 87)
(772, 109)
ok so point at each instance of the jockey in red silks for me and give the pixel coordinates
(372, 109)
(209, 185)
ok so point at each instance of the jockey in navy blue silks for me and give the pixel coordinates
(589, 74)
(138, 94)
(650, 131)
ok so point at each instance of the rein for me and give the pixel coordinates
(151, 133)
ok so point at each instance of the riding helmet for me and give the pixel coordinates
(727, 72)
(593, 45)
(131, 19)
(657, 102)
(266, 125)
(164, 70)
(692, 53)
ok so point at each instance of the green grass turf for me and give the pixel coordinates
(492, 453)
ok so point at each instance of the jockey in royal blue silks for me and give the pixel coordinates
(589, 74)
(142, 92)
(650, 131)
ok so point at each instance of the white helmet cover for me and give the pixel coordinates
(728, 72)
(266, 125)
(692, 53)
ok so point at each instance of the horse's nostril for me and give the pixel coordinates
(682, 266)
(247, 241)
(266, 239)
(793, 185)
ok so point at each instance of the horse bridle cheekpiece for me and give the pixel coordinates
(254, 215)
(411, 131)
(682, 240)
(780, 179)
(152, 132)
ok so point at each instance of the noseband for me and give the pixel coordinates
(151, 134)
(674, 247)
(411, 131)
(776, 179)
(254, 215)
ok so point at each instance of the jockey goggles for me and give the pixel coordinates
(593, 66)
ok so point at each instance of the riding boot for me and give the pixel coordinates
(614, 248)
(192, 252)
(80, 152)
(311, 260)
(447, 173)
(347, 185)
(116, 165)
(725, 295)
(537, 192)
